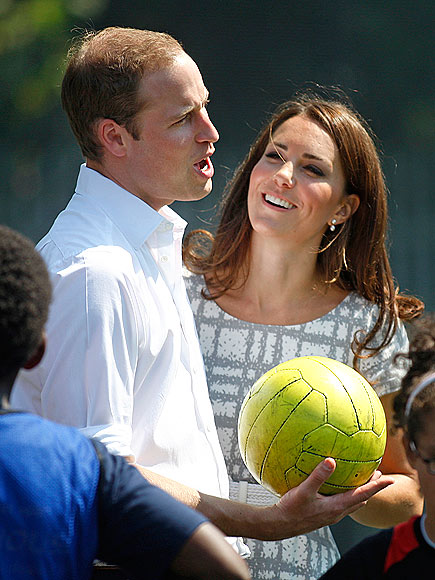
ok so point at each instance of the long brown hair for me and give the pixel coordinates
(355, 258)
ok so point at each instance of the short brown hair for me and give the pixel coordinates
(102, 76)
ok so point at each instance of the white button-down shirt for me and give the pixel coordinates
(123, 362)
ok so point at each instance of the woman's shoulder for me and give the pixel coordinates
(195, 284)
(192, 279)
(355, 301)
(357, 310)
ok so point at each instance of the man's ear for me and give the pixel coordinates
(36, 357)
(348, 207)
(112, 137)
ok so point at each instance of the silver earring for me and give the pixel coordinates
(332, 226)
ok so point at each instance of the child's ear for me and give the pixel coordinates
(409, 454)
(36, 357)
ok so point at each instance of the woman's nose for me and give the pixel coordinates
(284, 177)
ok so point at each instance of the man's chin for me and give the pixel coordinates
(198, 193)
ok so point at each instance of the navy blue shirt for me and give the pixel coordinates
(65, 501)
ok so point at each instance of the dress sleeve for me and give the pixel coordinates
(383, 371)
(141, 527)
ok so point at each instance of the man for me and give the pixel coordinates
(123, 361)
(65, 500)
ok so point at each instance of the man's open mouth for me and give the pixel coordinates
(204, 167)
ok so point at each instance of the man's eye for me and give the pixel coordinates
(182, 120)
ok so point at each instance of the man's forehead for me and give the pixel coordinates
(179, 85)
(172, 92)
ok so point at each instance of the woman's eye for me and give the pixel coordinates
(314, 169)
(273, 155)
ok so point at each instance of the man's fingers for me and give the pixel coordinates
(357, 498)
(366, 491)
(318, 476)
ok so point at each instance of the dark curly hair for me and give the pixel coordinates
(422, 364)
(25, 293)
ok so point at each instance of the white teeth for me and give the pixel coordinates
(278, 201)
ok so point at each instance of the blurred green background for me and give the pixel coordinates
(253, 55)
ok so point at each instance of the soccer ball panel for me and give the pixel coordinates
(262, 424)
(329, 441)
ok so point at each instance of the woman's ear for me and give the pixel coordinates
(348, 207)
(36, 357)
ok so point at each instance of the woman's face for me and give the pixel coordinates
(298, 185)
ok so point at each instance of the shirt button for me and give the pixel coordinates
(164, 259)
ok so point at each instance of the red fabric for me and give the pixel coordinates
(403, 541)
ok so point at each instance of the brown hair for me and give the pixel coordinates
(103, 73)
(355, 258)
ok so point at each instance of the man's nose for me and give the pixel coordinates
(208, 131)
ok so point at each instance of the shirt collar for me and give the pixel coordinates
(135, 218)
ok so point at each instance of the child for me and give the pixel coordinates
(408, 549)
(64, 500)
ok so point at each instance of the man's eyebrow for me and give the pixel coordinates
(186, 109)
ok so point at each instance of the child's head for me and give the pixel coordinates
(414, 406)
(25, 293)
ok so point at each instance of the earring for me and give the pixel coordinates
(332, 226)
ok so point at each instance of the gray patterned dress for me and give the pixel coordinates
(235, 354)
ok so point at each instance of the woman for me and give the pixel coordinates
(409, 548)
(298, 267)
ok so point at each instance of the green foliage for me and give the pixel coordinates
(34, 36)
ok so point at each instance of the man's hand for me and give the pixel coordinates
(303, 508)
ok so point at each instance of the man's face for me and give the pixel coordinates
(171, 160)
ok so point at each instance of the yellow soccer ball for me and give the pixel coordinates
(304, 410)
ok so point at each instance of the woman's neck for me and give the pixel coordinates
(282, 287)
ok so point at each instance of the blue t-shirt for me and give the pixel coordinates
(65, 501)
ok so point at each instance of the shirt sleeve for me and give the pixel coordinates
(141, 528)
(87, 374)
